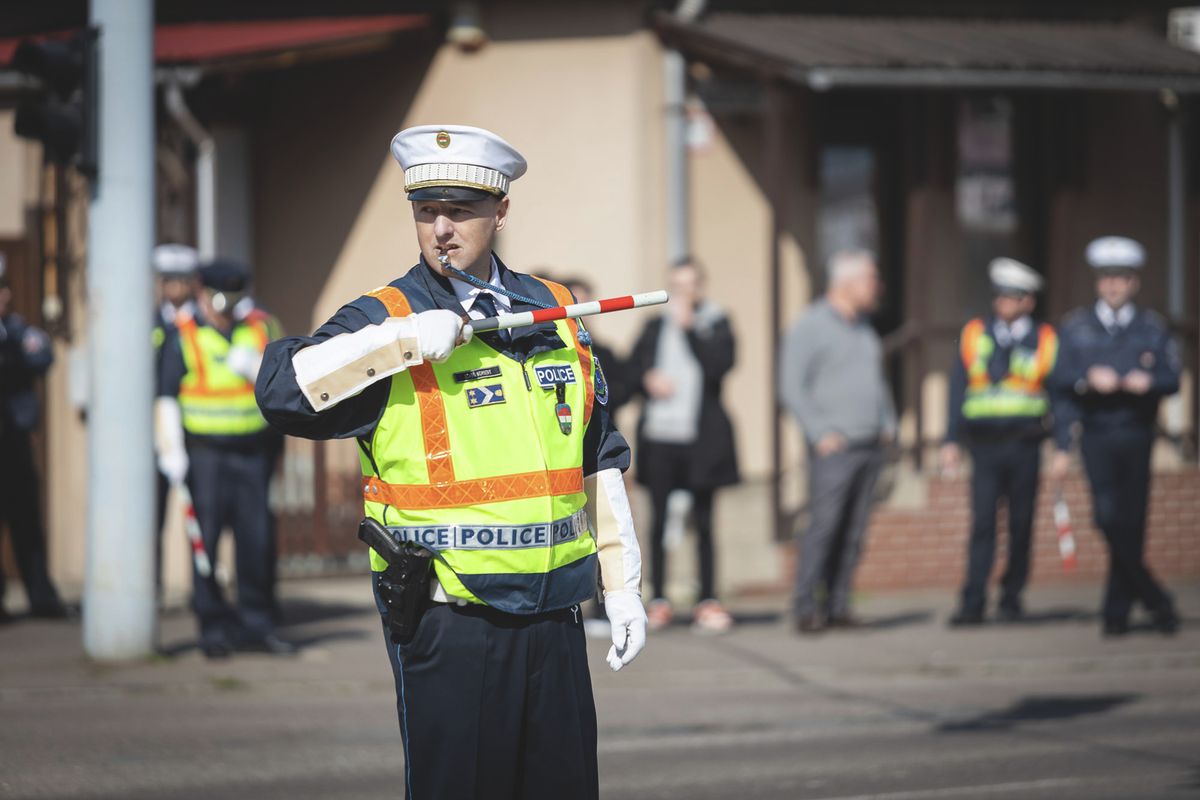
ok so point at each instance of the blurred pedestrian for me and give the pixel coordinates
(25, 355)
(1118, 362)
(211, 434)
(831, 380)
(485, 458)
(1000, 411)
(175, 266)
(685, 439)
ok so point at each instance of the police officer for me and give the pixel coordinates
(209, 431)
(1000, 410)
(496, 453)
(25, 355)
(1118, 362)
(175, 266)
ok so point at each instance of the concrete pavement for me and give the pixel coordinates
(902, 709)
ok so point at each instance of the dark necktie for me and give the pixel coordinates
(486, 304)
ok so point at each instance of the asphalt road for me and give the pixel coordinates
(904, 709)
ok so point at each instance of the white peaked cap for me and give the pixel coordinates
(175, 259)
(1010, 275)
(440, 159)
(1115, 252)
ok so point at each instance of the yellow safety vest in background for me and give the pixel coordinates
(215, 400)
(480, 460)
(1021, 393)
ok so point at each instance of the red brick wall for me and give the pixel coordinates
(927, 547)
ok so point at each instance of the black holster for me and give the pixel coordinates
(404, 585)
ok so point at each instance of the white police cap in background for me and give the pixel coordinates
(1115, 252)
(1009, 276)
(455, 162)
(176, 260)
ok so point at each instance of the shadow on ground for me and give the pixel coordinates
(1038, 709)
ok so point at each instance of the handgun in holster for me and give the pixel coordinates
(406, 580)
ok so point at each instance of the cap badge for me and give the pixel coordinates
(443, 139)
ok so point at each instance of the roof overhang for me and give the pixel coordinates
(829, 53)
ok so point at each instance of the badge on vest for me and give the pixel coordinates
(601, 384)
(550, 375)
(490, 395)
(472, 375)
(562, 410)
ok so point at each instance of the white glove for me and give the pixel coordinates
(437, 333)
(173, 464)
(628, 618)
(245, 361)
(168, 440)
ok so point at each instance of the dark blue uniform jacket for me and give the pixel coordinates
(1145, 343)
(289, 412)
(25, 354)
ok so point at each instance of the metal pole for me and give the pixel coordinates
(206, 169)
(675, 89)
(119, 606)
(1176, 199)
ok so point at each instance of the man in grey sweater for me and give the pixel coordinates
(831, 380)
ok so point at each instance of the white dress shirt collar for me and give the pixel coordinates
(1111, 319)
(1010, 333)
(466, 293)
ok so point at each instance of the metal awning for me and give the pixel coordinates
(825, 53)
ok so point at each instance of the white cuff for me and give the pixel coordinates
(343, 366)
(612, 526)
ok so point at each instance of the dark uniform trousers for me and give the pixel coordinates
(229, 487)
(1118, 469)
(495, 706)
(19, 507)
(1001, 469)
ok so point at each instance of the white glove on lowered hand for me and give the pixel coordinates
(173, 464)
(438, 333)
(628, 618)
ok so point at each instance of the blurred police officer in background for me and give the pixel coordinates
(175, 266)
(25, 355)
(1000, 409)
(210, 433)
(495, 458)
(1117, 362)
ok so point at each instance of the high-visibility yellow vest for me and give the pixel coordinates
(480, 460)
(1021, 393)
(215, 400)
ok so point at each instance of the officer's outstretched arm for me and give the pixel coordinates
(344, 365)
(620, 564)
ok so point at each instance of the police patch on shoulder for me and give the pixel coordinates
(467, 376)
(601, 384)
(488, 395)
(549, 375)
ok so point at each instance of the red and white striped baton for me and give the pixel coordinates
(191, 526)
(572, 311)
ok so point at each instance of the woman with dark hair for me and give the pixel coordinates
(685, 439)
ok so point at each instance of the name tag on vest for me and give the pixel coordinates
(548, 375)
(490, 395)
(476, 374)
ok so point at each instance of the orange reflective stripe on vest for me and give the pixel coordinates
(438, 459)
(452, 494)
